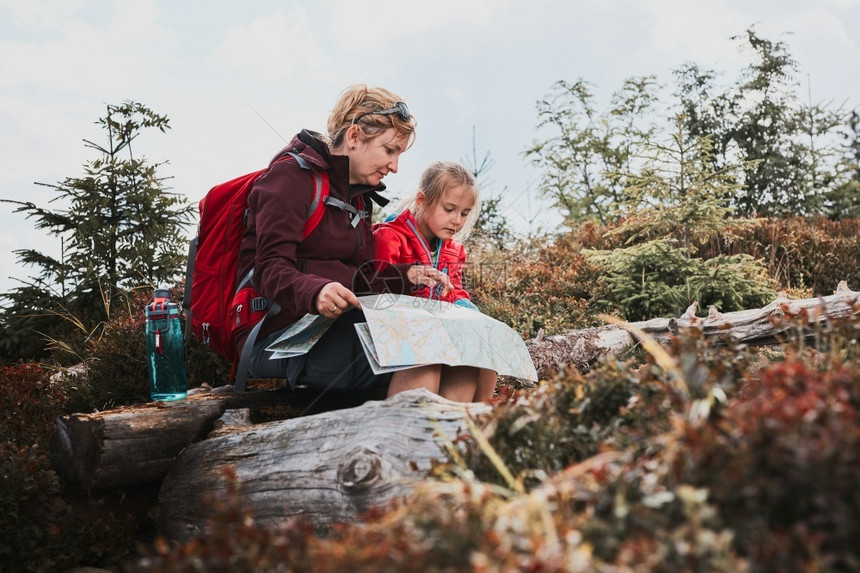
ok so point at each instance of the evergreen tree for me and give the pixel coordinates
(703, 108)
(760, 119)
(843, 200)
(764, 126)
(491, 223)
(788, 147)
(586, 150)
(676, 204)
(677, 195)
(119, 228)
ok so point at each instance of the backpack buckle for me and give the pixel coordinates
(353, 214)
(259, 303)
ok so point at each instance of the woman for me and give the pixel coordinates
(368, 130)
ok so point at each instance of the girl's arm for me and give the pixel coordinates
(388, 248)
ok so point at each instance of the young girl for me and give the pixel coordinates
(445, 205)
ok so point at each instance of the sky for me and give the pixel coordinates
(239, 78)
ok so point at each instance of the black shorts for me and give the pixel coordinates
(336, 362)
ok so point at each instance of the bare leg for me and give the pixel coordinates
(422, 377)
(459, 383)
(486, 385)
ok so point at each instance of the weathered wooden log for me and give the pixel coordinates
(752, 327)
(136, 444)
(327, 467)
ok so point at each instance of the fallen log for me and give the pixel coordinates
(328, 467)
(760, 326)
(135, 445)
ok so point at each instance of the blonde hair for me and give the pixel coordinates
(439, 176)
(358, 100)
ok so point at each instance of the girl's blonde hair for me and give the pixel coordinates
(442, 175)
(358, 100)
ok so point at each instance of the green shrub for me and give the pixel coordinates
(566, 420)
(625, 472)
(655, 279)
(116, 365)
(40, 531)
(204, 366)
(783, 467)
(117, 371)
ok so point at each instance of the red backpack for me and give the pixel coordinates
(216, 307)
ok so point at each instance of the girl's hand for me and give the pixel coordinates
(430, 277)
(334, 299)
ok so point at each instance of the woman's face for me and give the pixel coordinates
(372, 160)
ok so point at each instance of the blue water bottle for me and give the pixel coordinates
(164, 350)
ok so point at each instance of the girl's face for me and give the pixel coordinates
(445, 217)
(372, 160)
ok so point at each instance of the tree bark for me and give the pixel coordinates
(760, 326)
(328, 467)
(135, 445)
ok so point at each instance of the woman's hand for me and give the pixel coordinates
(334, 299)
(429, 276)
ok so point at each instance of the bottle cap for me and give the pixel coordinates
(161, 306)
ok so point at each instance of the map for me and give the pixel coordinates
(300, 337)
(404, 332)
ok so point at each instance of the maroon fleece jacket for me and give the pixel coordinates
(291, 271)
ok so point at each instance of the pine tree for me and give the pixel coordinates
(585, 149)
(843, 200)
(677, 195)
(762, 119)
(676, 205)
(119, 228)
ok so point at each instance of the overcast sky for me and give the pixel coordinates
(236, 77)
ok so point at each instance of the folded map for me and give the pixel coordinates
(404, 332)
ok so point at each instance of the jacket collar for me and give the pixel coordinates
(316, 150)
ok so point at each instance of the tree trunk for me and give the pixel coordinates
(328, 467)
(751, 327)
(135, 445)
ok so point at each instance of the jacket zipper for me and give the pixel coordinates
(435, 264)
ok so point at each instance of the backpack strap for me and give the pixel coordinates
(312, 221)
(322, 197)
(240, 383)
(321, 193)
(189, 276)
(355, 214)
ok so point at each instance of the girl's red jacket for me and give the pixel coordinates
(398, 241)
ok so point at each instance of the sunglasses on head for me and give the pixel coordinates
(399, 108)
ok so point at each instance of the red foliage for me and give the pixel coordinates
(29, 402)
(783, 465)
(806, 253)
(552, 291)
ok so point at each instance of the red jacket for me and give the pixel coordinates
(291, 271)
(399, 241)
